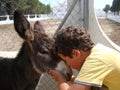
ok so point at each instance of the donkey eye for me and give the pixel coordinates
(39, 54)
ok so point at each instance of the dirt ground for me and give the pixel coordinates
(111, 29)
(10, 41)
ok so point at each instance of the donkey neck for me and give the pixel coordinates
(23, 57)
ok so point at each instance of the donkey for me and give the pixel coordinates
(35, 57)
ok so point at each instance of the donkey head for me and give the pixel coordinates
(39, 46)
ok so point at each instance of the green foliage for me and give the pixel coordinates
(34, 7)
(6, 5)
(27, 6)
(106, 8)
(43, 9)
(115, 6)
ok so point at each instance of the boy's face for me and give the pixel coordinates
(73, 61)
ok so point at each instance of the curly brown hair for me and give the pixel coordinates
(72, 37)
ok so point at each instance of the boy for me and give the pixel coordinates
(97, 64)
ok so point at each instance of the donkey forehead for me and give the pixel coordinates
(42, 43)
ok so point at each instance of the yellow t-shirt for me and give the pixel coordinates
(102, 66)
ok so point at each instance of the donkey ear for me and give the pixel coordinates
(38, 27)
(22, 26)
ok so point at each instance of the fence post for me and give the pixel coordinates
(79, 15)
(8, 19)
(86, 14)
(76, 14)
(80, 12)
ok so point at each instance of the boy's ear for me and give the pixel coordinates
(76, 52)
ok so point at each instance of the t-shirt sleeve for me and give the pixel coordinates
(93, 73)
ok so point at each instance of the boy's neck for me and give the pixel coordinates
(84, 55)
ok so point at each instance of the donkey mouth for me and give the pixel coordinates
(65, 70)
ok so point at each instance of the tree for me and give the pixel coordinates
(48, 10)
(106, 8)
(27, 7)
(6, 6)
(115, 6)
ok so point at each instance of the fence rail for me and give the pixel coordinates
(115, 18)
(109, 15)
(8, 19)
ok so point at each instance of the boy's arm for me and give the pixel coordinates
(63, 85)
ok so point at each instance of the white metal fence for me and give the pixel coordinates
(109, 15)
(8, 19)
